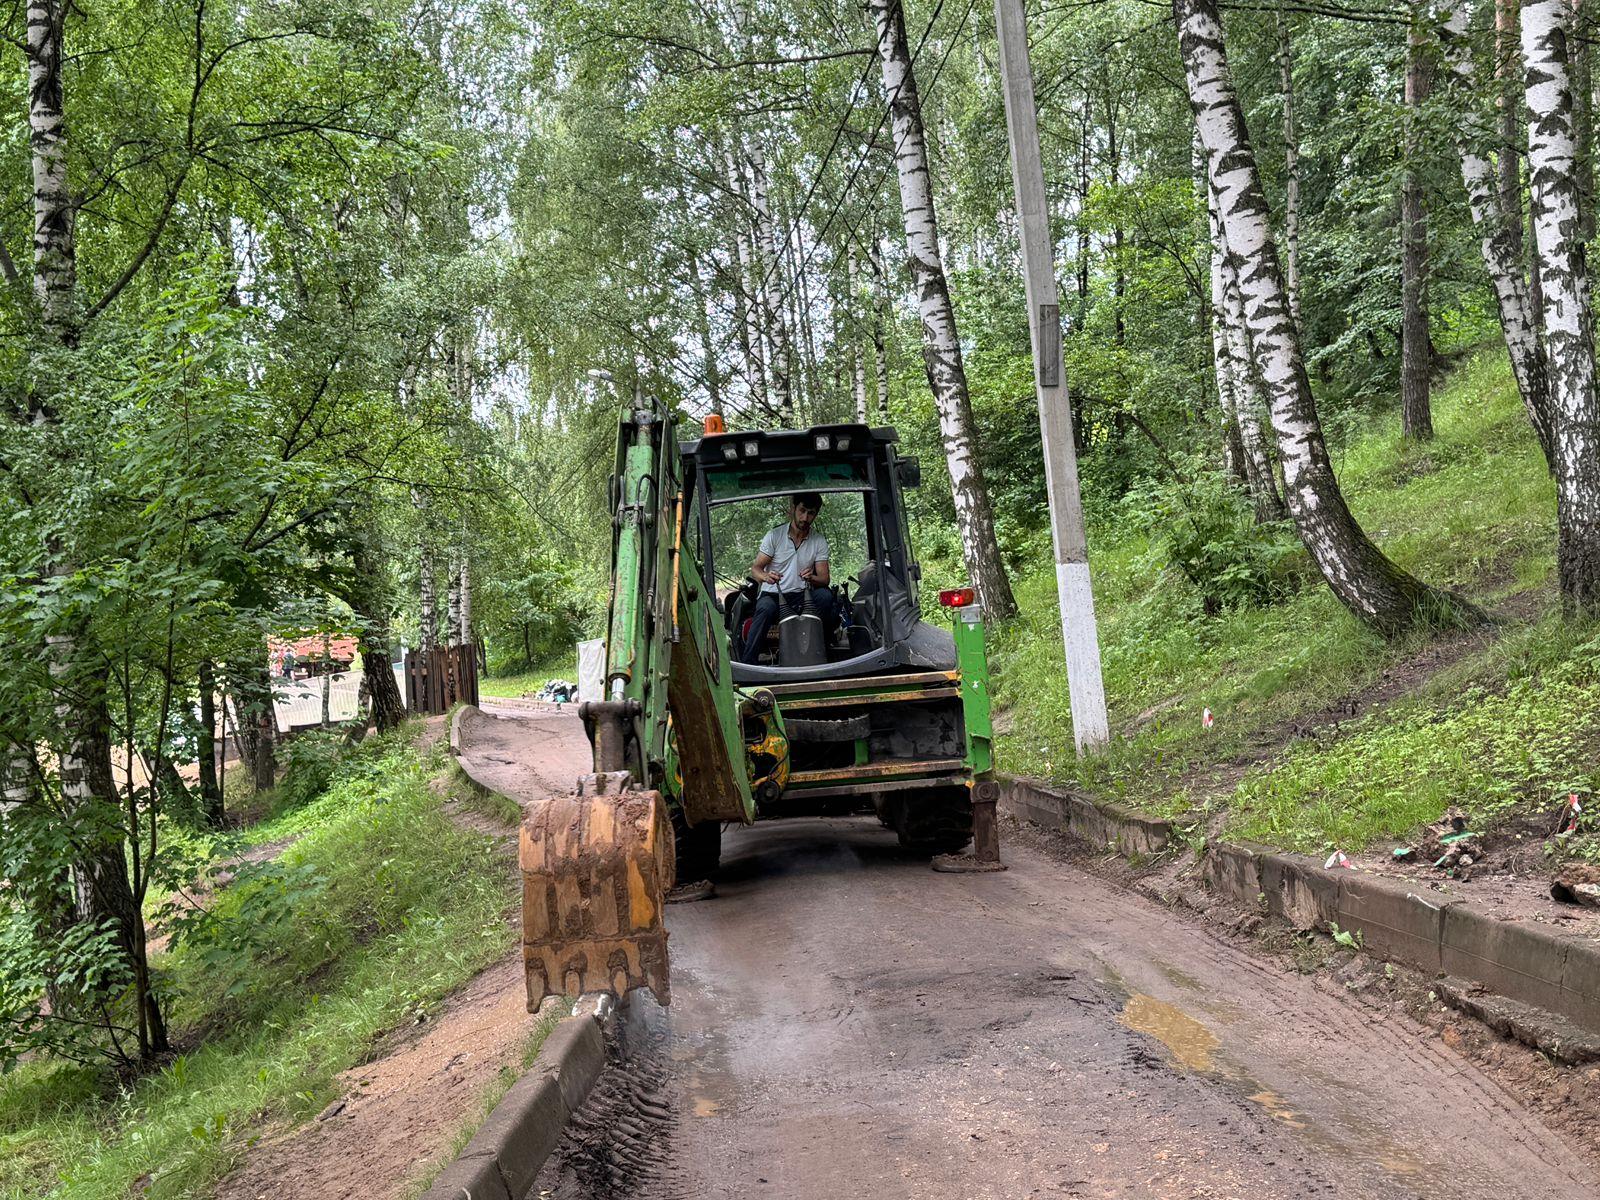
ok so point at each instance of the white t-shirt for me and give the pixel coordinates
(788, 560)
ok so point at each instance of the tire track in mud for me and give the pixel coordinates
(618, 1145)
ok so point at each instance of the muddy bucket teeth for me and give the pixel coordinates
(596, 867)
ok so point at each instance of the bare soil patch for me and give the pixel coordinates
(398, 1113)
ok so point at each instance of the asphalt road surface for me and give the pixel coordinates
(845, 1023)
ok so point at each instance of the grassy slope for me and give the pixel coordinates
(404, 906)
(1509, 720)
(529, 682)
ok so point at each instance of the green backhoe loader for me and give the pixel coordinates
(703, 724)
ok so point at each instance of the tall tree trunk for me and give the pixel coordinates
(453, 604)
(1119, 279)
(55, 273)
(1243, 402)
(82, 722)
(1578, 47)
(1416, 365)
(1508, 104)
(428, 594)
(745, 323)
(1085, 153)
(1077, 397)
(1568, 319)
(770, 287)
(702, 323)
(327, 680)
(1498, 227)
(1366, 582)
(1291, 172)
(880, 328)
(941, 349)
(852, 323)
(250, 682)
(464, 586)
(368, 597)
(211, 800)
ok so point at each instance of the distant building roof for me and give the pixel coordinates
(340, 649)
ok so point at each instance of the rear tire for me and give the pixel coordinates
(928, 822)
(698, 848)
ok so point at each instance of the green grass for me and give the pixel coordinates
(383, 908)
(1508, 723)
(529, 682)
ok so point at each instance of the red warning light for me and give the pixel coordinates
(958, 597)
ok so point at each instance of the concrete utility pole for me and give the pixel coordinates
(1089, 726)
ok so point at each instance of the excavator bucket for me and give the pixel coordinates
(596, 867)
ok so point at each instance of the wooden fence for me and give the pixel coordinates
(438, 678)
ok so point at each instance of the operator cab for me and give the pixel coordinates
(739, 487)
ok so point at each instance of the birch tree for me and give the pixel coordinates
(1499, 228)
(1365, 581)
(1241, 396)
(1568, 317)
(82, 733)
(769, 286)
(941, 349)
(1291, 172)
(858, 364)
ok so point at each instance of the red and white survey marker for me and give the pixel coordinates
(1574, 808)
(1206, 719)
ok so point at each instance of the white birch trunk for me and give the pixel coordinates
(1499, 231)
(453, 604)
(941, 349)
(464, 587)
(1244, 404)
(770, 288)
(81, 735)
(852, 323)
(1365, 581)
(710, 367)
(746, 302)
(880, 330)
(1568, 319)
(1291, 172)
(54, 255)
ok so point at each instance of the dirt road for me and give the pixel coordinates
(846, 1023)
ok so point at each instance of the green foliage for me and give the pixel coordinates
(309, 764)
(1473, 509)
(1208, 533)
(380, 907)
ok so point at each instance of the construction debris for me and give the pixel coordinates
(1449, 845)
(1578, 883)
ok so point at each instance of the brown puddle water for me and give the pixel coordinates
(1193, 1046)
(1187, 1040)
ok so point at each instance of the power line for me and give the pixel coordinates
(932, 83)
(838, 135)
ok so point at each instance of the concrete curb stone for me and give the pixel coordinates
(1516, 961)
(455, 726)
(507, 1152)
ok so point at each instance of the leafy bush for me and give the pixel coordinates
(1208, 533)
(310, 760)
